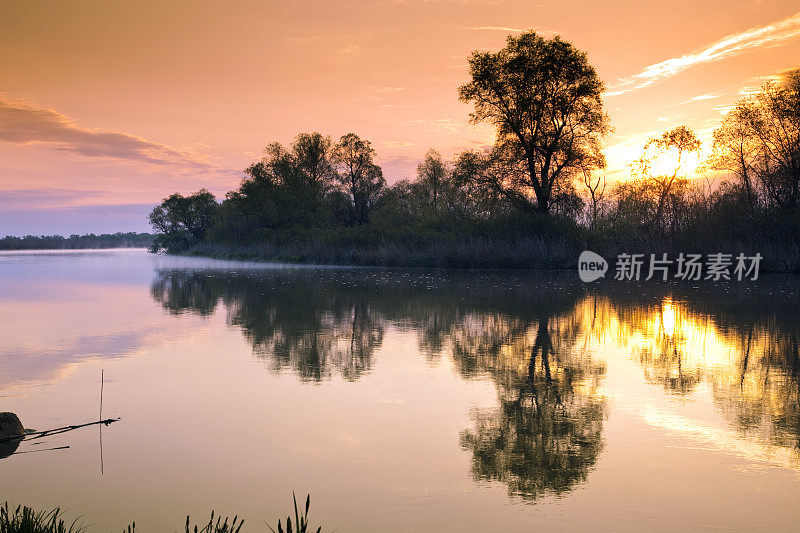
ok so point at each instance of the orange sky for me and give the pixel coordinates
(108, 106)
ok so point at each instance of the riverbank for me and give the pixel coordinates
(472, 252)
(543, 253)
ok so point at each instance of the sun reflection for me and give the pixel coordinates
(667, 317)
(750, 370)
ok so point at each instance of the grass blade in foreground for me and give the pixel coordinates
(300, 520)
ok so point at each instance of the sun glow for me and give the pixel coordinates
(672, 162)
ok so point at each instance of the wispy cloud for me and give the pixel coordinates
(509, 29)
(348, 49)
(47, 197)
(698, 98)
(385, 90)
(703, 97)
(380, 94)
(23, 122)
(495, 28)
(397, 144)
(445, 124)
(774, 34)
(309, 38)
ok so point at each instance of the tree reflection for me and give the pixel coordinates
(742, 340)
(546, 434)
(307, 329)
(531, 336)
(656, 336)
(519, 331)
(761, 395)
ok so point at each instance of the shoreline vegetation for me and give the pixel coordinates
(534, 199)
(536, 250)
(77, 242)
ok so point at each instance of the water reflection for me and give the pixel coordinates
(309, 329)
(544, 436)
(740, 341)
(547, 432)
(535, 339)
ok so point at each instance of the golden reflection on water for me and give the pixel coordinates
(543, 349)
(751, 369)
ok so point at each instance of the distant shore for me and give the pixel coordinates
(77, 242)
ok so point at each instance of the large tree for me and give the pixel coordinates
(182, 221)
(359, 179)
(431, 174)
(759, 143)
(311, 153)
(544, 98)
(286, 188)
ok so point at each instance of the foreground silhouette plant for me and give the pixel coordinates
(220, 526)
(26, 520)
(300, 520)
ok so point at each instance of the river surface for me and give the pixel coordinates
(400, 399)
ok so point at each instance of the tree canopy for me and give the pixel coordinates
(183, 220)
(759, 143)
(544, 98)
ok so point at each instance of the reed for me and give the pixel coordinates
(300, 520)
(220, 526)
(23, 519)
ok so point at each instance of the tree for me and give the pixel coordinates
(595, 188)
(312, 153)
(664, 185)
(759, 143)
(544, 98)
(359, 179)
(431, 174)
(286, 188)
(182, 221)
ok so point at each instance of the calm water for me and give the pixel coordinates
(400, 399)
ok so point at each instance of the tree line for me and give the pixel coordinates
(74, 241)
(540, 190)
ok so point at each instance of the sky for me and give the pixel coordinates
(106, 107)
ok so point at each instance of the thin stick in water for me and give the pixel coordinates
(102, 382)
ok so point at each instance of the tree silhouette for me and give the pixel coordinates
(181, 221)
(759, 142)
(286, 188)
(544, 98)
(360, 180)
(432, 173)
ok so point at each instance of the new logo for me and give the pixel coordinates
(591, 266)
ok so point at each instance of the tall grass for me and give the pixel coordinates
(220, 526)
(300, 520)
(26, 520)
